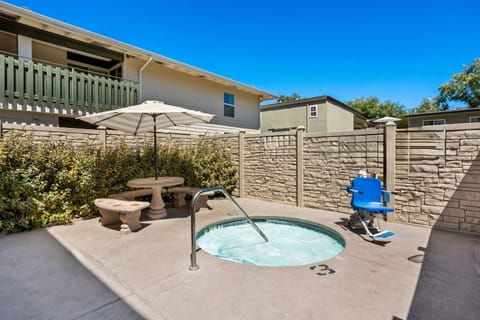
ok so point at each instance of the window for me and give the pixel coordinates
(434, 122)
(282, 129)
(312, 111)
(475, 119)
(228, 105)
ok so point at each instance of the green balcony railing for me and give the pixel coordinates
(37, 84)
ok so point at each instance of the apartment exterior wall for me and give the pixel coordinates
(8, 42)
(331, 116)
(177, 88)
(283, 118)
(338, 119)
(44, 52)
(158, 81)
(319, 123)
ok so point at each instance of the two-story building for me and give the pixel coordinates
(52, 72)
(322, 114)
(465, 115)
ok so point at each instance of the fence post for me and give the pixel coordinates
(389, 162)
(241, 163)
(102, 136)
(300, 135)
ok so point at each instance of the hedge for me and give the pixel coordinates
(54, 182)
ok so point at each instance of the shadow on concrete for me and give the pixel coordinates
(40, 279)
(449, 282)
(344, 224)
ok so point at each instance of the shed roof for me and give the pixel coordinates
(456, 111)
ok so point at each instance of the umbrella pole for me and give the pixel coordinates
(155, 156)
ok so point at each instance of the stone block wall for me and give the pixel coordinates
(43, 134)
(437, 170)
(270, 167)
(438, 177)
(98, 137)
(231, 144)
(331, 161)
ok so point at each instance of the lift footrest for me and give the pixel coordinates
(384, 235)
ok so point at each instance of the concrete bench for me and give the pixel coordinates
(131, 195)
(115, 211)
(181, 192)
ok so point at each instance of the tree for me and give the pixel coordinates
(463, 87)
(283, 98)
(428, 105)
(372, 108)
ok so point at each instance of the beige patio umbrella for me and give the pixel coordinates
(147, 117)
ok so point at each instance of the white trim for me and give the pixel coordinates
(228, 104)
(434, 124)
(311, 111)
(32, 18)
(474, 117)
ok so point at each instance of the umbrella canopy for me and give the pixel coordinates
(147, 117)
(140, 118)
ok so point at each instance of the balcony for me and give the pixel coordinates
(31, 86)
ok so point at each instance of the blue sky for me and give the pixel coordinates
(395, 50)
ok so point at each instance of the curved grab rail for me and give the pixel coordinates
(193, 255)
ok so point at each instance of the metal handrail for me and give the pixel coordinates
(193, 255)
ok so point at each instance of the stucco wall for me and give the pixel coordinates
(28, 118)
(43, 52)
(283, 118)
(8, 43)
(339, 119)
(330, 118)
(318, 124)
(174, 87)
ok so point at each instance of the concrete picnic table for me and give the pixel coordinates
(157, 206)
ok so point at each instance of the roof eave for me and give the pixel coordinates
(425, 114)
(65, 29)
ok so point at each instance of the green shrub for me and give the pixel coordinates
(54, 182)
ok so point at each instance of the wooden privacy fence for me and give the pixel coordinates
(26, 82)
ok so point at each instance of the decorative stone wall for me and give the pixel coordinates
(270, 167)
(42, 134)
(99, 137)
(331, 161)
(437, 170)
(231, 144)
(438, 177)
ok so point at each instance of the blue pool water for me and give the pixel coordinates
(292, 242)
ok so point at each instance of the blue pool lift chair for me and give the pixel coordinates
(368, 199)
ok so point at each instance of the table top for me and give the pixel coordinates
(152, 182)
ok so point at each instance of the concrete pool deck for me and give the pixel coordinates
(422, 274)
